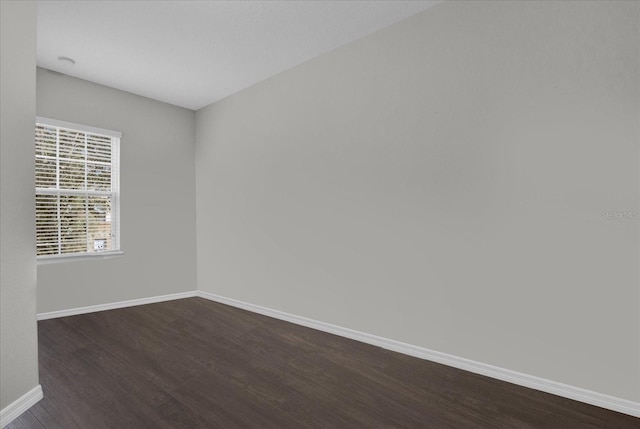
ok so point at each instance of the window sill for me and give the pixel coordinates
(44, 260)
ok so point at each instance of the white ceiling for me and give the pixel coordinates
(192, 53)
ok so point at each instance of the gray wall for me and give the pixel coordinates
(18, 335)
(157, 182)
(444, 183)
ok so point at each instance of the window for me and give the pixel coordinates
(77, 190)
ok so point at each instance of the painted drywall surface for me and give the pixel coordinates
(157, 184)
(18, 330)
(444, 182)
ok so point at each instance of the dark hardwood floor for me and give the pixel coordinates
(193, 363)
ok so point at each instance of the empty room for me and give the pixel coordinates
(320, 214)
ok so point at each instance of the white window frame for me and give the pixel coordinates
(114, 193)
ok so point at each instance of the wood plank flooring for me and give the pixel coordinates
(193, 363)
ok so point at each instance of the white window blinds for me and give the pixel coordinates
(77, 189)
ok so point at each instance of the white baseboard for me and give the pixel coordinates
(576, 393)
(20, 405)
(114, 305)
